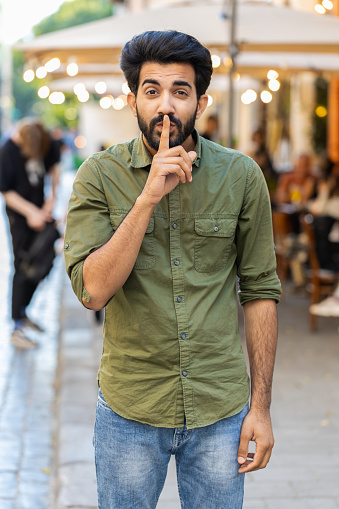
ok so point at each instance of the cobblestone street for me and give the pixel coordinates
(48, 397)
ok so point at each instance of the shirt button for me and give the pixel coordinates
(183, 336)
(176, 262)
(184, 373)
(179, 299)
(174, 226)
(66, 246)
(216, 228)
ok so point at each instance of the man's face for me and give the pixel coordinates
(167, 90)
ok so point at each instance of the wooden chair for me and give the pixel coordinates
(322, 281)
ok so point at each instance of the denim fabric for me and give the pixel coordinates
(132, 458)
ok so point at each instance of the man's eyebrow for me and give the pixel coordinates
(151, 81)
(177, 83)
(182, 83)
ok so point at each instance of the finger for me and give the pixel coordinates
(176, 169)
(192, 155)
(243, 447)
(165, 133)
(180, 161)
(259, 461)
(179, 151)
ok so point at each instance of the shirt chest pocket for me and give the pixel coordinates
(213, 242)
(146, 256)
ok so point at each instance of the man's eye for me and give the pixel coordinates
(181, 92)
(151, 92)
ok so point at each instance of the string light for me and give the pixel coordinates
(272, 75)
(274, 85)
(327, 4)
(320, 9)
(125, 88)
(56, 98)
(72, 69)
(100, 87)
(43, 92)
(321, 111)
(80, 142)
(83, 96)
(249, 96)
(53, 64)
(29, 75)
(216, 61)
(266, 96)
(41, 72)
(118, 103)
(106, 102)
(78, 88)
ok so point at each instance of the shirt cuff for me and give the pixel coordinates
(268, 287)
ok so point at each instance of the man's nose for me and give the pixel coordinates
(165, 105)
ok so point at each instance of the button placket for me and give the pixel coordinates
(178, 281)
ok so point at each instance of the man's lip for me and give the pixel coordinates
(160, 125)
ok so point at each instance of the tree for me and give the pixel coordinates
(74, 13)
(26, 101)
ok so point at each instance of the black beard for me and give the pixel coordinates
(184, 131)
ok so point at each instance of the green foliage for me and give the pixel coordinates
(24, 94)
(319, 124)
(55, 115)
(26, 101)
(72, 13)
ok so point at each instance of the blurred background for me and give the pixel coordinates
(274, 95)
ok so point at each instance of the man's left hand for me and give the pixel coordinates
(256, 427)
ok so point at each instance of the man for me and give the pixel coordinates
(24, 160)
(157, 230)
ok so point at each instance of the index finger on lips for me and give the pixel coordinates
(165, 133)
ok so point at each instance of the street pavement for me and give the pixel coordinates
(48, 398)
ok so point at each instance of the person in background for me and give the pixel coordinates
(262, 157)
(158, 228)
(211, 128)
(24, 161)
(325, 211)
(298, 186)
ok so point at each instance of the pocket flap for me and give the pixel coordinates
(116, 219)
(215, 227)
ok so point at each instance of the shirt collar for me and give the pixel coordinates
(141, 157)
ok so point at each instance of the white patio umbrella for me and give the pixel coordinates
(259, 28)
(284, 34)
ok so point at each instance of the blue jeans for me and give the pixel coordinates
(132, 458)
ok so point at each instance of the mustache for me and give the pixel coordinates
(160, 118)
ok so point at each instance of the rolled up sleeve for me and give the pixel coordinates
(88, 224)
(256, 260)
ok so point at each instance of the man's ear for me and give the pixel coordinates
(202, 105)
(132, 103)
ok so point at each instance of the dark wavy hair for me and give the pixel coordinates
(166, 47)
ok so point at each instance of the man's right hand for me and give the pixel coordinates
(169, 167)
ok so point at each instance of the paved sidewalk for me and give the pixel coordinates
(304, 469)
(27, 392)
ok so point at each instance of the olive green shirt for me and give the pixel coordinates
(172, 350)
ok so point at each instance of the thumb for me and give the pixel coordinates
(192, 155)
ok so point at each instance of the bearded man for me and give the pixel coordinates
(158, 229)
